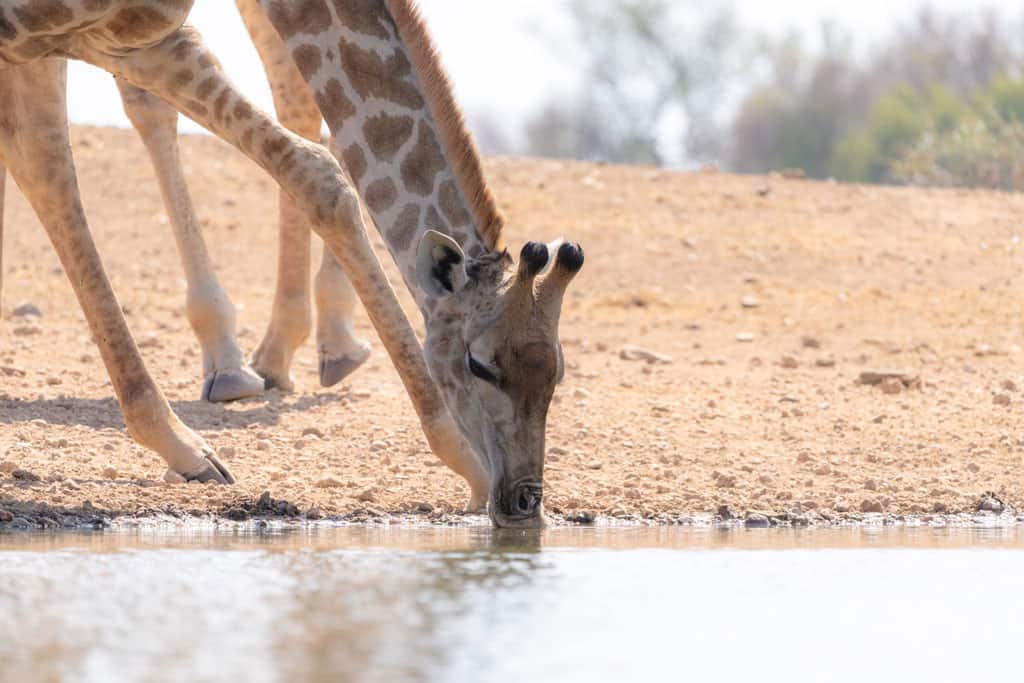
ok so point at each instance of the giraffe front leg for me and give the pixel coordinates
(210, 312)
(37, 152)
(311, 176)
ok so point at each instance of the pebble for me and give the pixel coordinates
(27, 330)
(26, 309)
(745, 337)
(810, 342)
(110, 472)
(789, 362)
(580, 517)
(1001, 399)
(826, 362)
(595, 465)
(879, 376)
(580, 392)
(24, 475)
(757, 521)
(226, 452)
(378, 446)
(634, 353)
(869, 505)
(871, 484)
(263, 445)
(891, 385)
(237, 515)
(750, 302)
(313, 431)
(367, 496)
(328, 483)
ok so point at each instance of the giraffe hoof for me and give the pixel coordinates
(333, 370)
(211, 470)
(231, 385)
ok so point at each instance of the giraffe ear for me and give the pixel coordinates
(440, 265)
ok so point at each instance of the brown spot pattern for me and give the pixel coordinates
(136, 25)
(372, 76)
(369, 17)
(452, 205)
(401, 233)
(307, 58)
(425, 161)
(334, 105)
(299, 16)
(385, 134)
(381, 194)
(43, 15)
(355, 161)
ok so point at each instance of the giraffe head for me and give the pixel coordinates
(492, 347)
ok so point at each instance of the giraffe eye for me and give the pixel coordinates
(480, 370)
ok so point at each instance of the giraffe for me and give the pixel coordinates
(491, 357)
(209, 310)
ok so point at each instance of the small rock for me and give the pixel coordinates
(757, 521)
(940, 508)
(580, 392)
(635, 353)
(826, 362)
(871, 484)
(328, 483)
(237, 515)
(313, 431)
(990, 502)
(24, 475)
(874, 377)
(378, 446)
(314, 513)
(226, 452)
(810, 342)
(263, 445)
(53, 380)
(725, 481)
(1002, 399)
(367, 496)
(745, 337)
(110, 472)
(789, 362)
(27, 330)
(891, 385)
(7, 467)
(869, 505)
(5, 516)
(580, 517)
(26, 309)
(595, 465)
(750, 302)
(724, 512)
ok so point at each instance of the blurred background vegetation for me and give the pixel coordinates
(939, 100)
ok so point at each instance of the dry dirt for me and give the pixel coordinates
(768, 297)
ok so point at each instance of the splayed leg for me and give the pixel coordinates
(32, 100)
(209, 310)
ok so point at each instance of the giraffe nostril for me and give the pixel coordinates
(528, 497)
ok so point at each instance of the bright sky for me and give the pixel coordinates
(514, 64)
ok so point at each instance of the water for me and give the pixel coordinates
(478, 605)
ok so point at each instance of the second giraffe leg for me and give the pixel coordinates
(340, 351)
(209, 310)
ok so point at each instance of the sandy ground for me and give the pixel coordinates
(763, 300)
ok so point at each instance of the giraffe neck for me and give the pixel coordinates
(393, 121)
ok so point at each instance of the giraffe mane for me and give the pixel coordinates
(456, 140)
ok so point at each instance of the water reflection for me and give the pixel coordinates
(472, 604)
